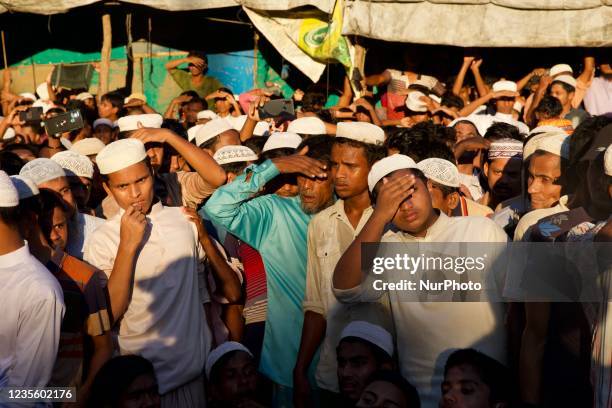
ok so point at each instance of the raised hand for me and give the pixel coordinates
(133, 225)
(394, 190)
(301, 164)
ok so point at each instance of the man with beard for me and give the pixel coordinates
(276, 227)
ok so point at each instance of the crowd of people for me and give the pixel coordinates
(208, 256)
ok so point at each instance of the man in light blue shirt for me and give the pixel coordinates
(277, 226)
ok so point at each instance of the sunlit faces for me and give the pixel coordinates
(106, 109)
(316, 194)
(443, 198)
(463, 388)
(504, 105)
(542, 180)
(155, 152)
(349, 170)
(55, 230)
(61, 186)
(504, 177)
(132, 186)
(465, 130)
(356, 363)
(558, 91)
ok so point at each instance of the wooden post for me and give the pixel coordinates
(4, 51)
(359, 62)
(107, 36)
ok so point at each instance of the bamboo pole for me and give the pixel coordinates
(4, 51)
(107, 36)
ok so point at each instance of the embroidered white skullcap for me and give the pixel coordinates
(566, 79)
(88, 146)
(559, 69)
(234, 154)
(441, 171)
(42, 170)
(518, 106)
(211, 129)
(506, 148)
(28, 95)
(42, 91)
(414, 102)
(74, 164)
(372, 333)
(426, 81)
(308, 125)
(9, 133)
(505, 86)
(435, 97)
(262, 129)
(388, 165)
(608, 161)
(237, 122)
(222, 350)
(148, 120)
(104, 121)
(207, 114)
(120, 154)
(361, 131)
(282, 140)
(191, 132)
(43, 104)
(555, 142)
(9, 196)
(84, 96)
(25, 187)
(135, 95)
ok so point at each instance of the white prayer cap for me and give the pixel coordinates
(282, 140)
(518, 106)
(84, 96)
(28, 95)
(361, 131)
(388, 165)
(42, 104)
(505, 86)
(566, 79)
(372, 333)
(148, 120)
(414, 102)
(222, 350)
(9, 133)
(482, 122)
(608, 161)
(42, 170)
(74, 164)
(435, 97)
(559, 69)
(262, 128)
(88, 146)
(555, 142)
(191, 132)
(441, 171)
(234, 154)
(120, 154)
(207, 114)
(506, 148)
(211, 129)
(135, 95)
(426, 81)
(237, 122)
(104, 121)
(308, 125)
(25, 187)
(42, 91)
(9, 196)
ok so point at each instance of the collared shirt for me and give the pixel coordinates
(79, 230)
(429, 331)
(276, 227)
(523, 228)
(472, 183)
(329, 234)
(164, 321)
(32, 307)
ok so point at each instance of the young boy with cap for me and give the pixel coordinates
(563, 87)
(31, 301)
(401, 196)
(46, 173)
(104, 130)
(80, 172)
(356, 147)
(503, 171)
(150, 254)
(215, 134)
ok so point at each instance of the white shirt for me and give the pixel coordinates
(507, 118)
(164, 321)
(80, 229)
(427, 332)
(522, 231)
(32, 307)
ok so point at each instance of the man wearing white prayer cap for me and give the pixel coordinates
(215, 134)
(560, 69)
(89, 147)
(31, 301)
(308, 125)
(205, 115)
(134, 122)
(356, 147)
(401, 199)
(417, 108)
(105, 130)
(150, 253)
(368, 343)
(503, 171)
(281, 144)
(282, 140)
(563, 87)
(47, 173)
(234, 159)
(79, 170)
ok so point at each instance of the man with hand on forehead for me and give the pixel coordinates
(356, 147)
(150, 254)
(399, 189)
